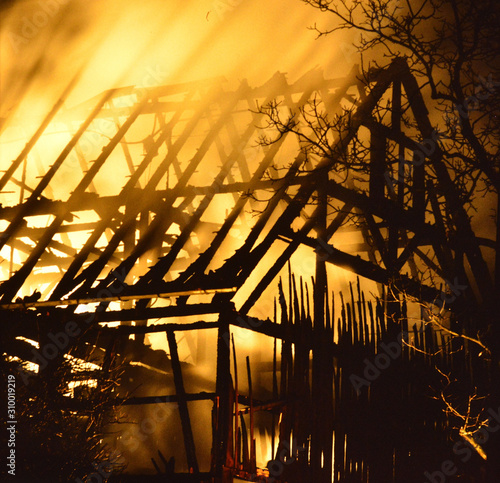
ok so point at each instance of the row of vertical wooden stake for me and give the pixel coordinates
(353, 400)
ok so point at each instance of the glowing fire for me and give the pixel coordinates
(107, 45)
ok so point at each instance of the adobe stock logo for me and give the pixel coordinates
(286, 456)
(222, 7)
(34, 23)
(425, 149)
(388, 352)
(465, 449)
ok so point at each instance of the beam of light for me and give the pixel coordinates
(145, 44)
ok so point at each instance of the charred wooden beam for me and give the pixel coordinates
(78, 301)
(10, 287)
(335, 225)
(150, 329)
(128, 223)
(175, 478)
(418, 187)
(268, 406)
(378, 239)
(162, 266)
(91, 201)
(36, 136)
(201, 396)
(223, 411)
(163, 220)
(18, 220)
(384, 209)
(454, 203)
(277, 266)
(253, 462)
(182, 404)
(204, 259)
(374, 272)
(236, 408)
(378, 167)
(24, 323)
(276, 85)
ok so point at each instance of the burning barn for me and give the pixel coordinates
(182, 273)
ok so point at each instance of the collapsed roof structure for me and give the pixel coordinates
(163, 210)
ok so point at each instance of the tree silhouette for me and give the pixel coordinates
(452, 49)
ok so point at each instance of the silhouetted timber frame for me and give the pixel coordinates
(390, 430)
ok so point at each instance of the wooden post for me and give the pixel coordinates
(236, 409)
(222, 389)
(377, 165)
(320, 454)
(182, 403)
(253, 463)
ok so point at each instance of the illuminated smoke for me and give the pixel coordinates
(101, 45)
